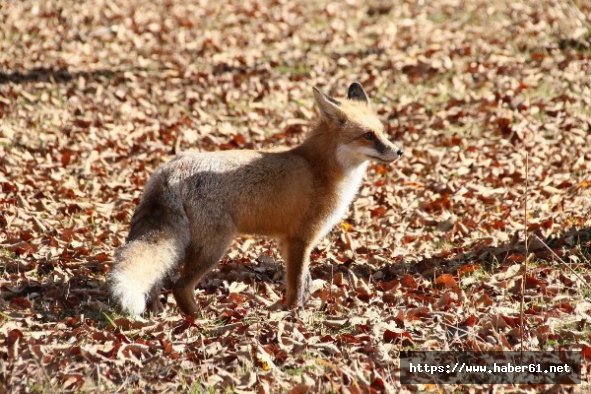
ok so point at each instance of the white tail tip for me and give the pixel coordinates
(129, 293)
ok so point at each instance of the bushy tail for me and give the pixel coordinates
(141, 265)
(157, 242)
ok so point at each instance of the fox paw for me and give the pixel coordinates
(155, 306)
(298, 298)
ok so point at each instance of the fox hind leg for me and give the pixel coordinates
(198, 261)
(154, 304)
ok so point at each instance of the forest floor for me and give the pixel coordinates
(95, 95)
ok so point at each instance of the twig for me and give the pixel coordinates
(524, 274)
(564, 262)
(221, 330)
(579, 14)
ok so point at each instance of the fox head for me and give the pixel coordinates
(355, 128)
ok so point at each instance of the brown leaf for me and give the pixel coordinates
(21, 303)
(467, 269)
(447, 281)
(399, 336)
(13, 336)
(408, 281)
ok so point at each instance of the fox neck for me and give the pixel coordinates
(339, 177)
(328, 155)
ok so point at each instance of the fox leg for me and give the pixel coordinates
(154, 305)
(198, 261)
(297, 255)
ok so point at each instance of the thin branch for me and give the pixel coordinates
(524, 274)
(564, 262)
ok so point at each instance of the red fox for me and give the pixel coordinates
(194, 205)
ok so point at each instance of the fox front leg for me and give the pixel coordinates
(297, 255)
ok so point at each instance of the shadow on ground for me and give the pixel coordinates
(53, 75)
(55, 300)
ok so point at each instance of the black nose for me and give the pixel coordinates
(399, 152)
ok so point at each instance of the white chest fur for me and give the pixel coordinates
(345, 194)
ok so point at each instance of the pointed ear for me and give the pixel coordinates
(329, 107)
(357, 93)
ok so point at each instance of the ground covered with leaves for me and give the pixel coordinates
(95, 95)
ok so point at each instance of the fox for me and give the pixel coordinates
(193, 206)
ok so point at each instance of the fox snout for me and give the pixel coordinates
(381, 149)
(394, 153)
(390, 153)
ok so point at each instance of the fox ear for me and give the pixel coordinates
(329, 107)
(357, 93)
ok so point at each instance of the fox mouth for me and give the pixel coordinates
(381, 159)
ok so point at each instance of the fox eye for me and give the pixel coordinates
(370, 136)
